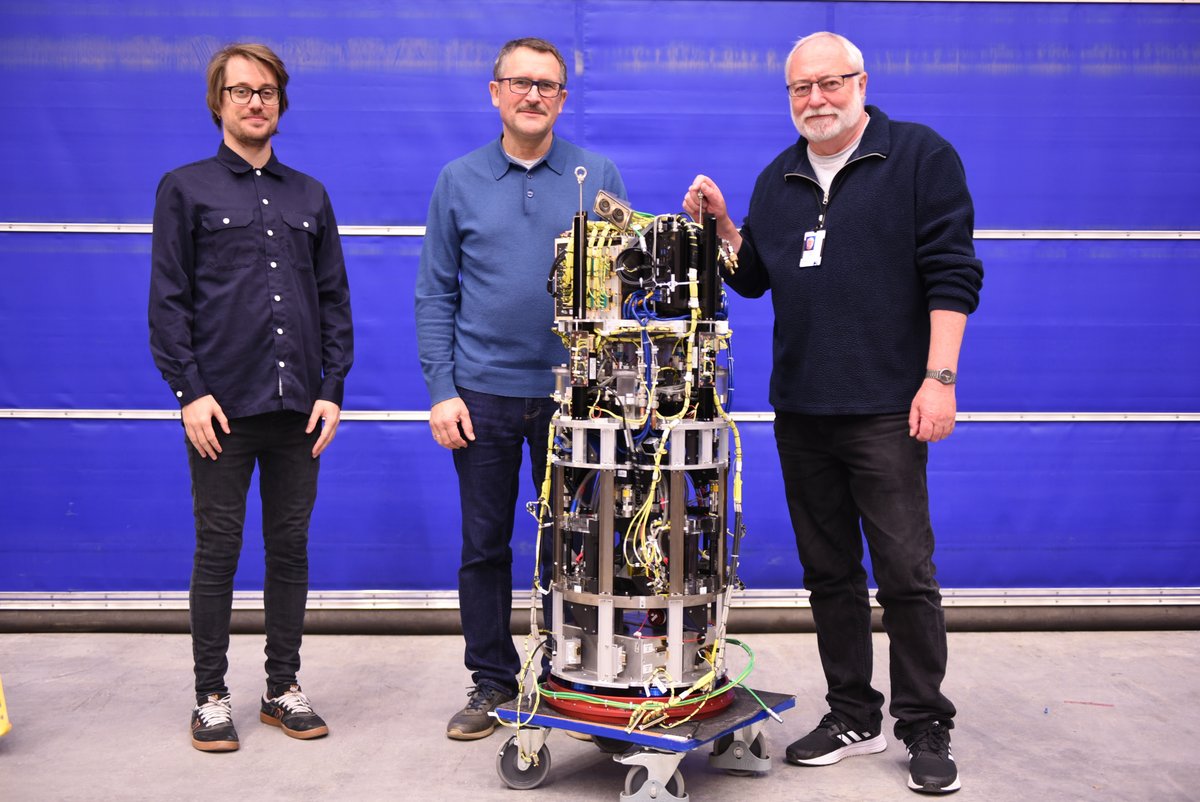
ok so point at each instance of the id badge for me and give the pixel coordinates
(814, 242)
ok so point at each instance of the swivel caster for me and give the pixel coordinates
(640, 788)
(516, 771)
(731, 754)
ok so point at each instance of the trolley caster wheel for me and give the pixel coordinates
(637, 778)
(518, 773)
(758, 748)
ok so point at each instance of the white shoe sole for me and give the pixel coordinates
(933, 789)
(870, 746)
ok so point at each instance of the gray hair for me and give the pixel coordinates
(529, 43)
(852, 52)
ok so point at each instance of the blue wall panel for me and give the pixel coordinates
(110, 96)
(76, 335)
(1067, 116)
(1023, 505)
(1024, 91)
(1063, 326)
(1085, 326)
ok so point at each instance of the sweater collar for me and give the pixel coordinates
(876, 140)
(555, 159)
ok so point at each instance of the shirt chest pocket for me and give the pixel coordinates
(302, 230)
(228, 240)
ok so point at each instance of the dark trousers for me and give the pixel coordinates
(288, 485)
(489, 471)
(845, 477)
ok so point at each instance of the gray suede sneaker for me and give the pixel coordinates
(290, 710)
(473, 721)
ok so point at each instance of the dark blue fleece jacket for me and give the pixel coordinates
(851, 335)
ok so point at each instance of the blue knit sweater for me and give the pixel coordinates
(851, 336)
(484, 318)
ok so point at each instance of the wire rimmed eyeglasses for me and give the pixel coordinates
(827, 85)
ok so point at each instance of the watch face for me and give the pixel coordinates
(945, 375)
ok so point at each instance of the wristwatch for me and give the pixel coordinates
(945, 375)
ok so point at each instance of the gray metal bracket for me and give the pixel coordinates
(739, 755)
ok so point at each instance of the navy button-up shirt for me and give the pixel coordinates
(249, 299)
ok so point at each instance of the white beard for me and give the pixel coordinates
(822, 125)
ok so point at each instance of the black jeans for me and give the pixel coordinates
(489, 474)
(846, 476)
(288, 487)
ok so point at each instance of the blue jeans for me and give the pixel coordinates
(489, 471)
(288, 486)
(846, 476)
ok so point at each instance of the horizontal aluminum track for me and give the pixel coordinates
(402, 415)
(419, 231)
(448, 599)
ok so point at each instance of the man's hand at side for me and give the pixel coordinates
(445, 418)
(197, 422)
(329, 415)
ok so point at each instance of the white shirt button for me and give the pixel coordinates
(258, 172)
(279, 331)
(225, 221)
(179, 393)
(274, 264)
(266, 202)
(270, 233)
(281, 364)
(277, 298)
(306, 224)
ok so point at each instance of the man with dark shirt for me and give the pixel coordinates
(862, 232)
(250, 326)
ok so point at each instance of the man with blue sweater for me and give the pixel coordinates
(486, 339)
(863, 232)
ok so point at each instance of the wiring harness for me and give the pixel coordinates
(641, 473)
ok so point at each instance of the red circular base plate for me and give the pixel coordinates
(602, 712)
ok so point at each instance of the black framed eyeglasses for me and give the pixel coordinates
(827, 85)
(269, 95)
(522, 86)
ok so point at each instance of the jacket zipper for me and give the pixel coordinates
(822, 195)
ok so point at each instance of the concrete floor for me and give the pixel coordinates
(1050, 716)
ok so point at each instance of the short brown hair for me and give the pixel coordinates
(254, 52)
(532, 43)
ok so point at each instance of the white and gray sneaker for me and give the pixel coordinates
(831, 741)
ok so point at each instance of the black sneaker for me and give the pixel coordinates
(212, 724)
(831, 741)
(473, 721)
(291, 711)
(931, 768)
